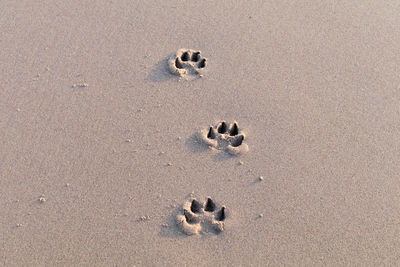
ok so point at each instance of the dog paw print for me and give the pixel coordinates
(225, 137)
(187, 63)
(202, 217)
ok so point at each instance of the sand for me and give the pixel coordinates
(188, 64)
(99, 149)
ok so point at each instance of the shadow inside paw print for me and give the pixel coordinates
(187, 63)
(225, 137)
(198, 217)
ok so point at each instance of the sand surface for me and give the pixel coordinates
(97, 139)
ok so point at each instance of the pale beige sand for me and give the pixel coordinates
(94, 125)
(187, 63)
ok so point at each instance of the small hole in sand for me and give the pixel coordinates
(185, 56)
(189, 217)
(220, 216)
(178, 64)
(196, 206)
(196, 56)
(237, 141)
(234, 130)
(202, 63)
(222, 128)
(211, 133)
(210, 205)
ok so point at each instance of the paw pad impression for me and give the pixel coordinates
(199, 217)
(187, 63)
(225, 137)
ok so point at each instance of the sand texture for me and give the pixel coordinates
(226, 138)
(112, 139)
(197, 217)
(187, 63)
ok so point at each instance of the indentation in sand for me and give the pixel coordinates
(80, 85)
(202, 217)
(187, 63)
(225, 137)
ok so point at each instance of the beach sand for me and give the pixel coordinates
(99, 142)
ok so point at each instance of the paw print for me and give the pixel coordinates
(187, 63)
(225, 137)
(198, 217)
